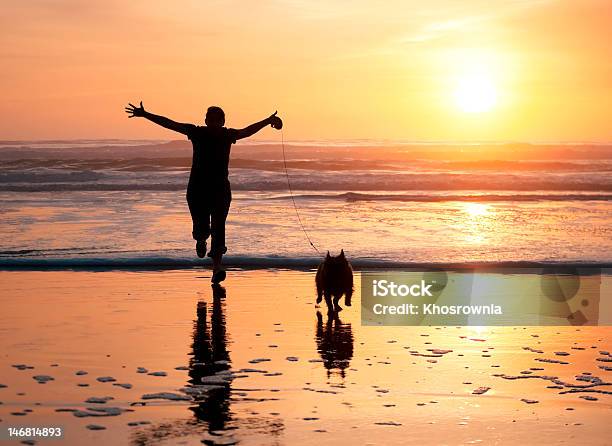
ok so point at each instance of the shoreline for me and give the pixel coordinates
(290, 263)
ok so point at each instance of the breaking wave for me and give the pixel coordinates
(255, 262)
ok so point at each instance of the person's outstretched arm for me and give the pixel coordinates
(140, 112)
(273, 120)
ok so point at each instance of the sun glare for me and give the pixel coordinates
(476, 210)
(475, 92)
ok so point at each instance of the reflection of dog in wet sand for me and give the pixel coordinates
(334, 343)
(334, 279)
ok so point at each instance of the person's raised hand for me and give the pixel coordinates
(275, 121)
(134, 111)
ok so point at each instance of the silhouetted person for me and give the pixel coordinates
(208, 192)
(334, 343)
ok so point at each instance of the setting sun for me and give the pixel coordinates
(475, 92)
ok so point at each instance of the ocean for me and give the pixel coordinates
(122, 202)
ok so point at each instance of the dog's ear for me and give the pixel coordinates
(342, 253)
(327, 256)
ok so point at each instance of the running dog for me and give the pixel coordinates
(334, 279)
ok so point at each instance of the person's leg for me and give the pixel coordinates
(217, 229)
(200, 216)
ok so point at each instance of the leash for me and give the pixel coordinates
(297, 213)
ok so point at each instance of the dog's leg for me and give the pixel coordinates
(347, 298)
(328, 301)
(337, 307)
(319, 295)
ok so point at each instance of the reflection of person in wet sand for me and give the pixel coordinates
(210, 403)
(208, 192)
(334, 343)
(210, 389)
(210, 357)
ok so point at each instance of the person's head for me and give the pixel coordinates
(215, 117)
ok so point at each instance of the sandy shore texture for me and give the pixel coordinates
(160, 358)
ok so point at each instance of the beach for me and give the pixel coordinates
(169, 360)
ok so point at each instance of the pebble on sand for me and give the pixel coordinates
(292, 358)
(310, 389)
(165, 396)
(439, 351)
(3, 386)
(480, 390)
(95, 427)
(123, 385)
(247, 370)
(387, 423)
(258, 360)
(42, 379)
(109, 411)
(551, 361)
(138, 423)
(533, 350)
(99, 412)
(528, 401)
(106, 379)
(99, 399)
(22, 366)
(141, 370)
(81, 372)
(158, 374)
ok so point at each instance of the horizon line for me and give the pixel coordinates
(327, 140)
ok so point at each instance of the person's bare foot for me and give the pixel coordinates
(201, 248)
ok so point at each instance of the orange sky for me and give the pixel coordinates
(343, 69)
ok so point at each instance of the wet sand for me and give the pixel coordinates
(159, 357)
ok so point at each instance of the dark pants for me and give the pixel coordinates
(209, 205)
